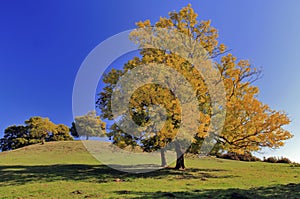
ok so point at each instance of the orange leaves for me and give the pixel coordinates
(144, 24)
(206, 24)
(222, 48)
(186, 17)
(228, 61)
(249, 124)
(244, 64)
(164, 23)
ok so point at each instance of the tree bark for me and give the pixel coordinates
(163, 158)
(180, 156)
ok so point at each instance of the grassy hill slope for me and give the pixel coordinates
(67, 170)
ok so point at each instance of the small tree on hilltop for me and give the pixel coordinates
(89, 125)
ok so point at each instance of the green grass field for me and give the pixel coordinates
(67, 170)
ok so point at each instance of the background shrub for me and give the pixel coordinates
(241, 157)
(277, 160)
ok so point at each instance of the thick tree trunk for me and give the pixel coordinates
(43, 139)
(180, 156)
(163, 158)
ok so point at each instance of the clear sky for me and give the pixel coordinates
(43, 43)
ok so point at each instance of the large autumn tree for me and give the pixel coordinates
(249, 124)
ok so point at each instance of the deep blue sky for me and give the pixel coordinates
(43, 43)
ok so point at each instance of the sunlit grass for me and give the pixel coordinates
(67, 170)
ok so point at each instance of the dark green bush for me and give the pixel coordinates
(277, 160)
(270, 159)
(284, 160)
(295, 164)
(241, 157)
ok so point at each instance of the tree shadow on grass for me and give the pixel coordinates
(291, 191)
(19, 174)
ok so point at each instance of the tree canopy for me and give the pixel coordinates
(35, 130)
(14, 137)
(88, 125)
(249, 124)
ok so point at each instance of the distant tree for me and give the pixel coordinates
(40, 129)
(73, 130)
(36, 130)
(89, 125)
(62, 133)
(14, 137)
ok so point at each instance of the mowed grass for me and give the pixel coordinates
(67, 170)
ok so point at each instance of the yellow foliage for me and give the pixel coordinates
(249, 124)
